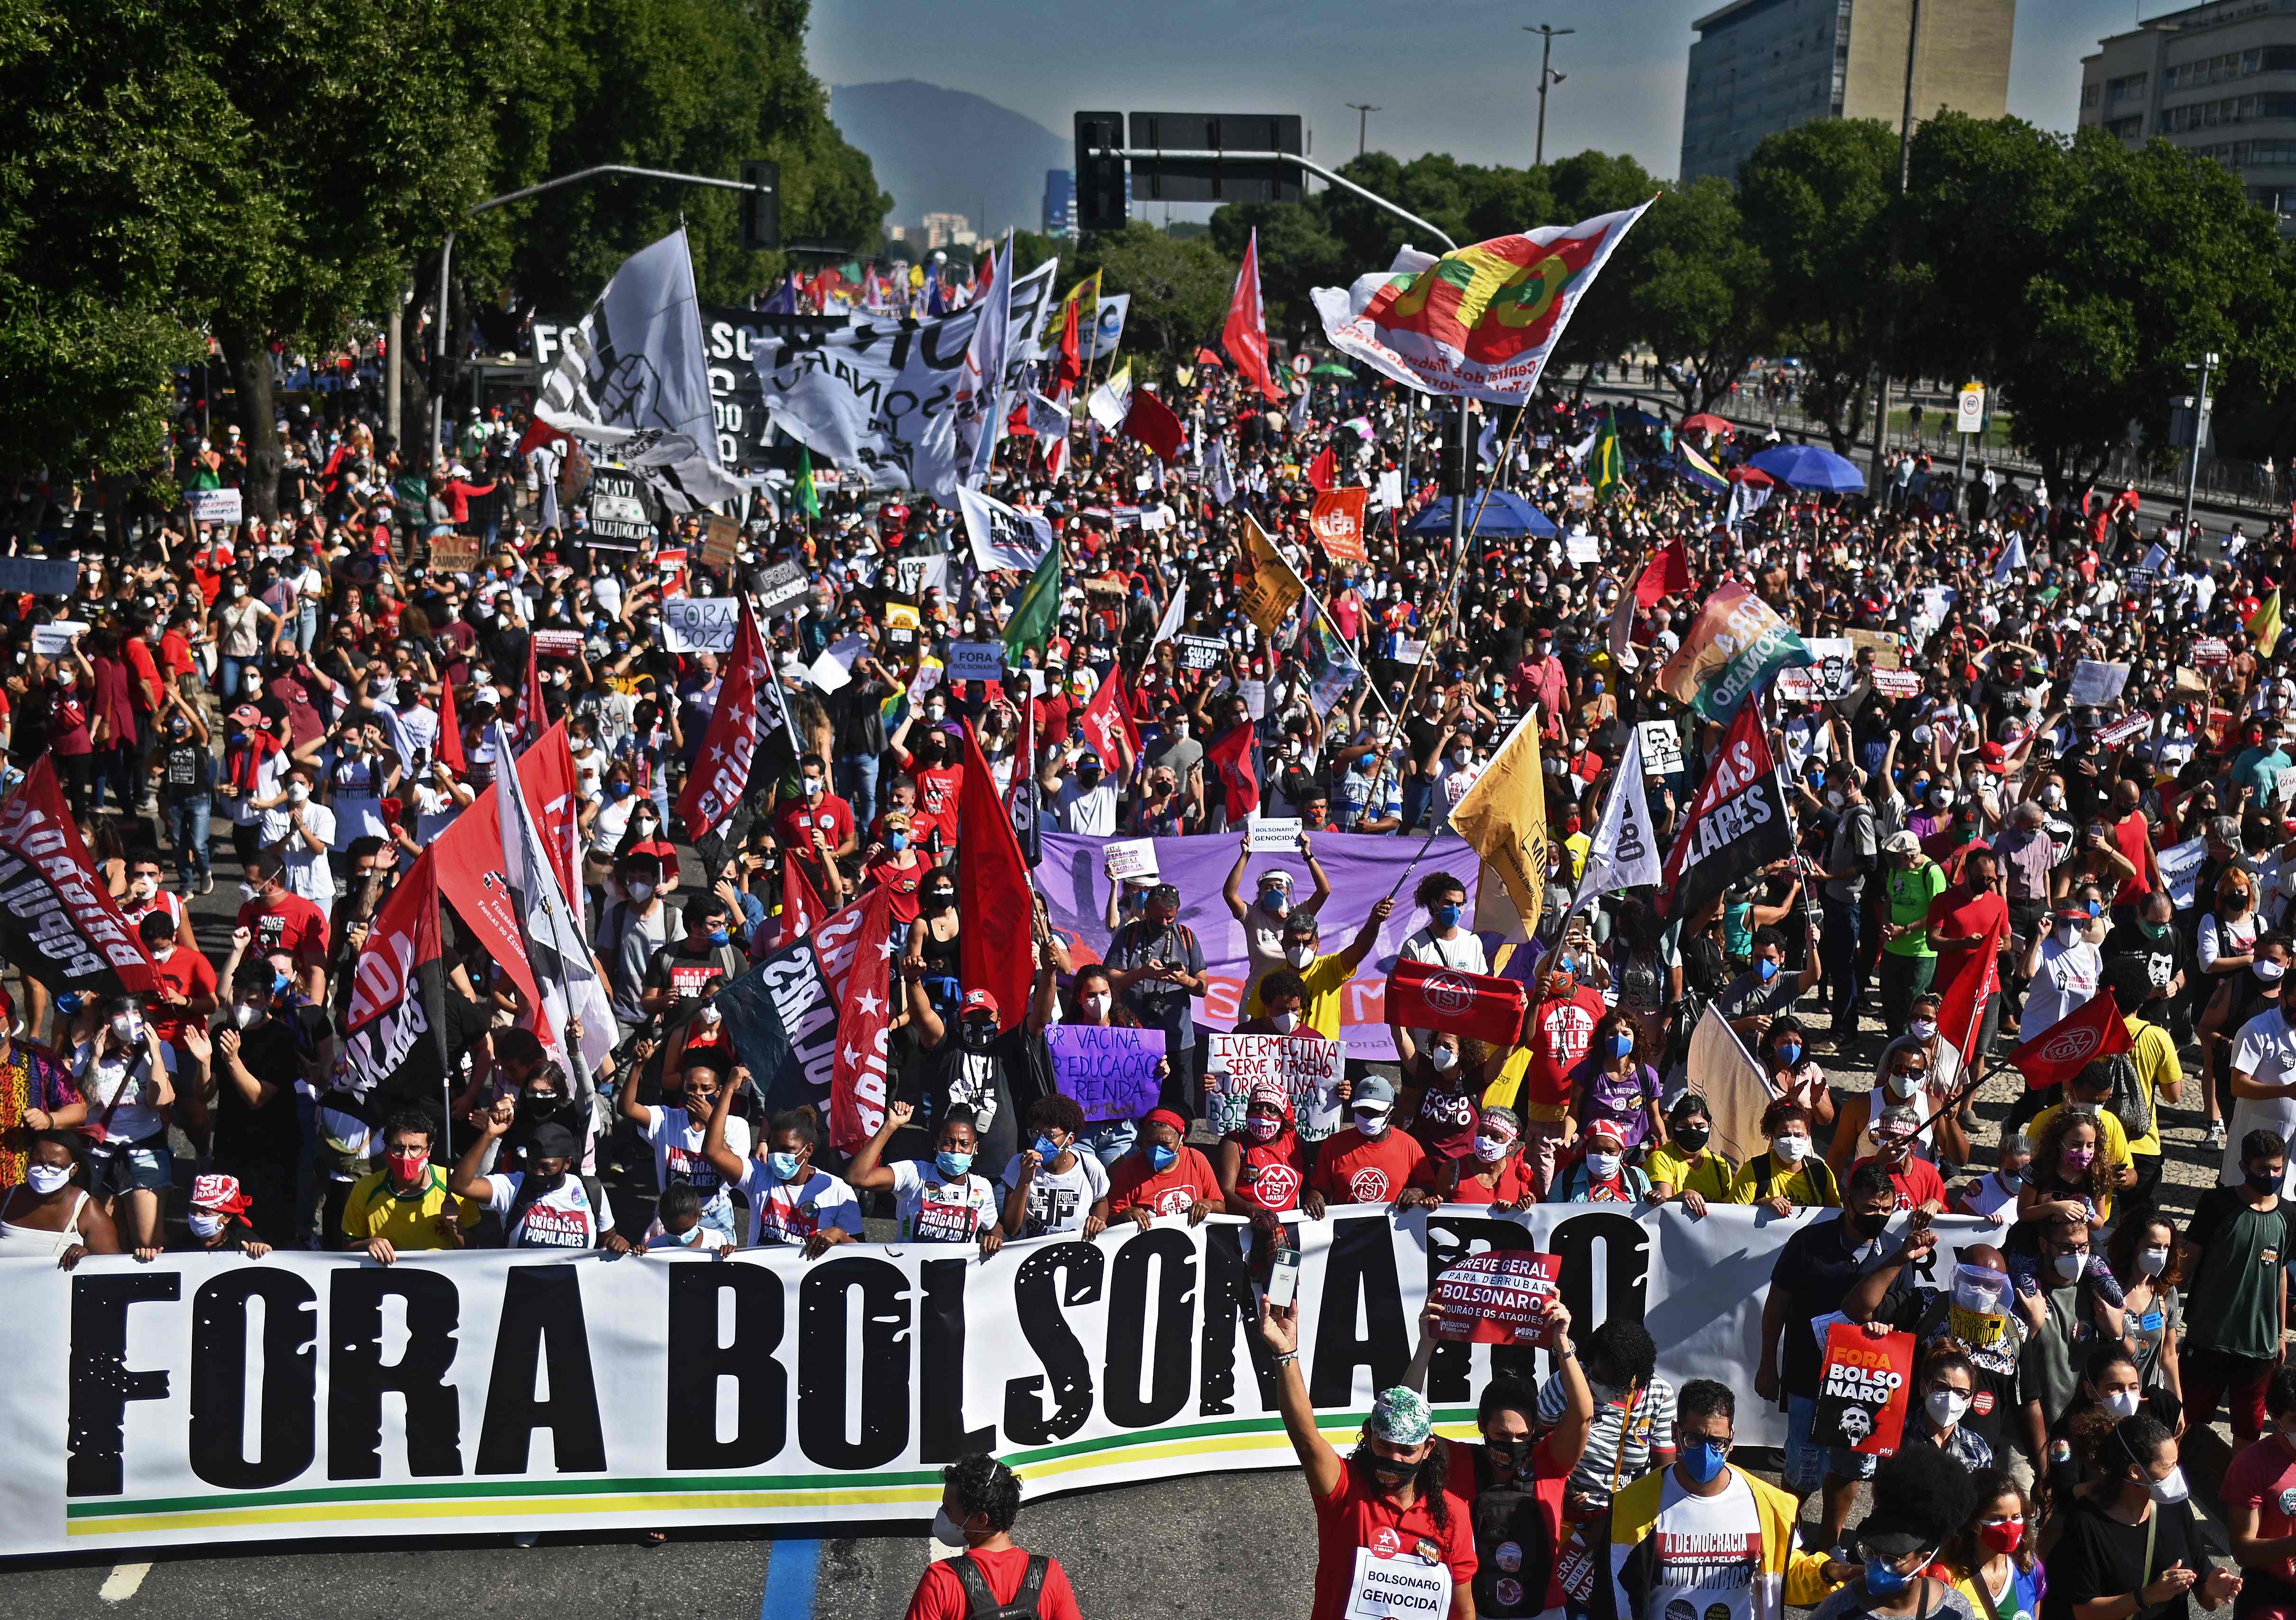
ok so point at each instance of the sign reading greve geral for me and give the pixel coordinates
(1108, 1069)
(1428, 995)
(1498, 1299)
(1863, 1389)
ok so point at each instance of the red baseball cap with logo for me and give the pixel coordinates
(979, 1001)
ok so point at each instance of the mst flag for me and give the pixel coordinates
(1624, 854)
(553, 798)
(1504, 817)
(398, 985)
(1481, 320)
(1738, 642)
(1020, 799)
(721, 774)
(58, 923)
(634, 380)
(1244, 333)
(2094, 1029)
(1428, 995)
(1736, 825)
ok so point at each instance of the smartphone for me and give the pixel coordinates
(1283, 1279)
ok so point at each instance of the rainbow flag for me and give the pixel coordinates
(1699, 471)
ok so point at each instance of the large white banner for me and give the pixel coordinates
(204, 1399)
(882, 395)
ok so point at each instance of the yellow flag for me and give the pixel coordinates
(2263, 626)
(1503, 818)
(1270, 589)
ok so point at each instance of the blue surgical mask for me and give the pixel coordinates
(718, 937)
(1767, 969)
(618, 789)
(897, 841)
(953, 1164)
(1705, 1460)
(1445, 915)
(784, 1166)
(2095, 908)
(1046, 1149)
(1789, 1053)
(1160, 1157)
(1622, 1044)
(1885, 1580)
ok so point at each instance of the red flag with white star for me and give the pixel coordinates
(857, 1084)
(721, 774)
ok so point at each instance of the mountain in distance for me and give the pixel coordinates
(949, 151)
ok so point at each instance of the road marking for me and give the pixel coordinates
(123, 1583)
(793, 1569)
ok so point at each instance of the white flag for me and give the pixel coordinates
(634, 380)
(1578, 451)
(1625, 853)
(1175, 610)
(1746, 498)
(1003, 537)
(1218, 477)
(1487, 443)
(981, 396)
(555, 946)
(1297, 422)
(1112, 400)
(2012, 558)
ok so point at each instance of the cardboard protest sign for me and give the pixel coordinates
(1110, 1071)
(453, 553)
(721, 541)
(1863, 1390)
(1306, 1066)
(1884, 644)
(699, 623)
(1428, 995)
(1498, 1298)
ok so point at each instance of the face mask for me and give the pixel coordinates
(2078, 1159)
(1259, 1127)
(1704, 1460)
(2121, 1403)
(1834, 798)
(1789, 1150)
(1300, 955)
(129, 1027)
(46, 1179)
(1160, 1157)
(2263, 1180)
(785, 1165)
(1946, 1406)
(1789, 1053)
(1907, 1084)
(1692, 1138)
(1442, 1060)
(1602, 1167)
(1622, 1044)
(1885, 1580)
(1490, 1149)
(952, 1166)
(2069, 1267)
(1765, 970)
(1868, 1226)
(1372, 1122)
(2002, 1536)
(2270, 972)
(2069, 934)
(1923, 1029)
(947, 1530)
(897, 841)
(1445, 916)
(1274, 901)
(815, 787)
(640, 893)
(205, 1226)
(2171, 1491)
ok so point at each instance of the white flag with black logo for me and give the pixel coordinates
(1001, 537)
(1625, 853)
(634, 379)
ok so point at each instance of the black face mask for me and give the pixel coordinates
(1868, 1226)
(1692, 1138)
(1514, 1453)
(543, 1186)
(977, 1036)
(2263, 1181)
(1389, 1472)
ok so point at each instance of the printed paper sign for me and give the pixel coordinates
(54, 639)
(557, 643)
(1408, 651)
(1273, 835)
(778, 586)
(2120, 731)
(1827, 679)
(1977, 1330)
(1110, 1071)
(1202, 651)
(1132, 858)
(2180, 869)
(1399, 1583)
(699, 623)
(1580, 548)
(216, 506)
(2210, 652)
(976, 661)
(1254, 694)
(1498, 1298)
(1308, 1066)
(2284, 784)
(1336, 518)
(1863, 1389)
(1897, 683)
(1661, 748)
(2095, 681)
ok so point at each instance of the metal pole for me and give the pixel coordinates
(438, 352)
(1363, 122)
(2200, 432)
(1904, 180)
(1328, 176)
(394, 333)
(1545, 55)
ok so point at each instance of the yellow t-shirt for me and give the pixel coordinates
(1506, 1091)
(1809, 1187)
(1326, 980)
(409, 1223)
(2112, 1136)
(2156, 1061)
(1710, 1178)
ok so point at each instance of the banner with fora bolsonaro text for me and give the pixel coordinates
(208, 1398)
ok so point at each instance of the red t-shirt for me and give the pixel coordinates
(901, 883)
(2262, 1477)
(940, 1595)
(937, 795)
(185, 972)
(1354, 1168)
(2132, 837)
(1514, 1185)
(1357, 1516)
(1162, 1191)
(1547, 1479)
(1961, 912)
(831, 814)
(1917, 1182)
(1273, 1171)
(293, 926)
(1561, 1032)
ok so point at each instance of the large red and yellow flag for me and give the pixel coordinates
(1481, 320)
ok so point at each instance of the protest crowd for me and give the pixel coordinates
(1179, 824)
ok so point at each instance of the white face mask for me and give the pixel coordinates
(205, 1226)
(244, 1016)
(1603, 1166)
(1284, 1022)
(129, 1027)
(1442, 1060)
(2172, 1490)
(46, 1178)
(1096, 1006)
(1300, 955)
(1372, 1122)
(1923, 1029)
(1790, 1148)
(1490, 1149)
(1946, 1406)
(2152, 1261)
(2121, 1403)
(947, 1530)
(2270, 971)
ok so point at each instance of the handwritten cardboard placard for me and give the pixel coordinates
(1308, 1069)
(1110, 1071)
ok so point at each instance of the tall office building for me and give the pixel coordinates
(1761, 66)
(1060, 202)
(2217, 80)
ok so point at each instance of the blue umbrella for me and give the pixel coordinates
(1508, 517)
(1809, 467)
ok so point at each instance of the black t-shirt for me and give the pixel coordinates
(420, 1079)
(2162, 957)
(268, 1134)
(1818, 1268)
(2100, 1556)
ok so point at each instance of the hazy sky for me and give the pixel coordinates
(1458, 77)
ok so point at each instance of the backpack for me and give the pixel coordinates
(1821, 1178)
(2130, 1103)
(981, 1603)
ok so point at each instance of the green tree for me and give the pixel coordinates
(1179, 288)
(1296, 253)
(1816, 202)
(1694, 290)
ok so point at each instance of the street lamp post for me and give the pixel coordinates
(1547, 34)
(1363, 122)
(446, 249)
(2209, 361)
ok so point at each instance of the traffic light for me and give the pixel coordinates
(1101, 203)
(761, 204)
(1451, 468)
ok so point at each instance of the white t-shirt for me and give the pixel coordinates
(703, 1240)
(1463, 955)
(1092, 812)
(308, 871)
(936, 1211)
(2265, 1051)
(2065, 984)
(560, 1218)
(677, 1143)
(1709, 1551)
(1058, 1201)
(789, 1212)
(126, 1078)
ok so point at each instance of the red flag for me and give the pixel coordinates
(60, 924)
(984, 271)
(546, 772)
(538, 434)
(1108, 726)
(857, 1084)
(469, 861)
(1323, 471)
(1428, 995)
(1151, 420)
(1245, 333)
(721, 774)
(996, 946)
(1205, 356)
(1071, 368)
(1666, 574)
(1231, 755)
(801, 908)
(450, 732)
(2094, 1029)
(533, 714)
(398, 984)
(1337, 520)
(1962, 995)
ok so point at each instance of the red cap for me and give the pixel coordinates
(979, 1001)
(221, 1194)
(1995, 758)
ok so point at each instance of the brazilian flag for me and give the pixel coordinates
(1039, 609)
(1609, 468)
(808, 498)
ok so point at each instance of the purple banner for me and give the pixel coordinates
(1362, 867)
(1110, 1071)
